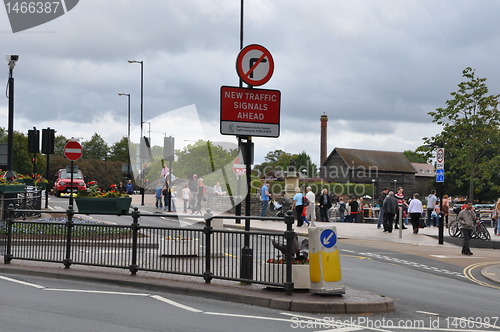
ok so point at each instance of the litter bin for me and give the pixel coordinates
(324, 261)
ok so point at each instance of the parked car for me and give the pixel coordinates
(63, 182)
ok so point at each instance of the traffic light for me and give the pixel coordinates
(145, 149)
(48, 141)
(33, 141)
(168, 148)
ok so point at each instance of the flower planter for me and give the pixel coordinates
(42, 185)
(179, 247)
(12, 188)
(27, 181)
(105, 205)
(300, 275)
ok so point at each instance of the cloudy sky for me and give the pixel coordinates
(374, 67)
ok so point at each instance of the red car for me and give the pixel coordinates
(63, 182)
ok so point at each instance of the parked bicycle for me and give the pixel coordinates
(479, 230)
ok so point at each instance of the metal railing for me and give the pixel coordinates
(205, 252)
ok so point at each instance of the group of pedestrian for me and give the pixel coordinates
(305, 209)
(165, 196)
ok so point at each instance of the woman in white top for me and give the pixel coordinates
(415, 210)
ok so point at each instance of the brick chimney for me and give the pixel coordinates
(323, 140)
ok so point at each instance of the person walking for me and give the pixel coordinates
(446, 209)
(390, 206)
(311, 208)
(403, 208)
(342, 208)
(200, 194)
(193, 191)
(130, 187)
(415, 209)
(166, 195)
(466, 219)
(431, 204)
(324, 205)
(185, 193)
(381, 198)
(354, 206)
(361, 210)
(158, 196)
(298, 207)
(497, 214)
(264, 198)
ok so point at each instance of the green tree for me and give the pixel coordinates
(202, 157)
(21, 159)
(119, 151)
(415, 157)
(471, 138)
(274, 160)
(59, 143)
(95, 148)
(278, 160)
(303, 162)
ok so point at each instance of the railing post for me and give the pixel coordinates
(135, 230)
(10, 218)
(69, 228)
(208, 230)
(289, 237)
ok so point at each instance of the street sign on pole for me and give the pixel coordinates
(238, 167)
(250, 112)
(255, 65)
(73, 150)
(440, 175)
(440, 158)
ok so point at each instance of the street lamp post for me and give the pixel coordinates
(128, 95)
(373, 193)
(395, 186)
(142, 120)
(9, 175)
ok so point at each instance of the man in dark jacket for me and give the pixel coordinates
(381, 198)
(390, 207)
(324, 205)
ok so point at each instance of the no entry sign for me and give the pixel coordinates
(255, 65)
(238, 167)
(73, 150)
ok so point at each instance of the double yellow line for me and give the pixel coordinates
(468, 274)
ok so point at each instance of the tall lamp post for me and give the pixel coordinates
(9, 175)
(373, 193)
(142, 119)
(128, 95)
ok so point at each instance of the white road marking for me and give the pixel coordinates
(247, 316)
(22, 282)
(414, 264)
(93, 291)
(178, 305)
(427, 313)
(340, 326)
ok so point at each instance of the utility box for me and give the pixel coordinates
(324, 261)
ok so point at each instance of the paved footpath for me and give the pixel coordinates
(354, 301)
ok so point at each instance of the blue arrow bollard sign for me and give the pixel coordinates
(440, 175)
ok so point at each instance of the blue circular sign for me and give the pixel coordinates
(328, 238)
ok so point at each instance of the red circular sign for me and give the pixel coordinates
(255, 65)
(73, 150)
(238, 168)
